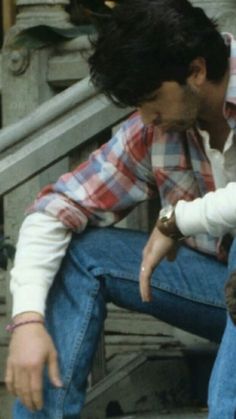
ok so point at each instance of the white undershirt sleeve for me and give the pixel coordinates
(42, 244)
(215, 213)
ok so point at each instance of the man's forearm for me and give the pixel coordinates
(215, 213)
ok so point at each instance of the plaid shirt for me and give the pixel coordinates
(136, 165)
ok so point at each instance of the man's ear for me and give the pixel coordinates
(198, 72)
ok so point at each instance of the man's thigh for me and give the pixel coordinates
(188, 293)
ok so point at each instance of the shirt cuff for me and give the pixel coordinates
(29, 298)
(189, 217)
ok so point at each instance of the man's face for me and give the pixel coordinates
(172, 107)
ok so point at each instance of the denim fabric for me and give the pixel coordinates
(102, 265)
(222, 386)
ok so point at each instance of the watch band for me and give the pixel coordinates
(166, 223)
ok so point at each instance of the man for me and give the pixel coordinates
(166, 58)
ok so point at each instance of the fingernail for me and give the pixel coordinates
(58, 383)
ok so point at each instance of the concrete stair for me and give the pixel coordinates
(173, 384)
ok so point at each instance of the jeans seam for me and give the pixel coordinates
(119, 274)
(132, 277)
(194, 299)
(62, 394)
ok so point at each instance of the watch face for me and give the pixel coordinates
(166, 213)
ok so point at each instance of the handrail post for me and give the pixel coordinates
(24, 70)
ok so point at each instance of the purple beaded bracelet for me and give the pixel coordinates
(12, 326)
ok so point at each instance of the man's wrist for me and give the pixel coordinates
(167, 225)
(27, 315)
(25, 319)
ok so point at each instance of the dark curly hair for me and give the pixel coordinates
(146, 42)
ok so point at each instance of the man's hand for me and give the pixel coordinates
(31, 348)
(157, 248)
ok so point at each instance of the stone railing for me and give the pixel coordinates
(61, 124)
(222, 10)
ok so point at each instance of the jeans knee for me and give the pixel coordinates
(93, 241)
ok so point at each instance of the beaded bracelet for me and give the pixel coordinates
(12, 326)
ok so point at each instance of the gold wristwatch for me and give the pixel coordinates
(166, 223)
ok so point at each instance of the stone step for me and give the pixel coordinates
(151, 383)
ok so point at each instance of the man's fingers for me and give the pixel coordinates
(157, 248)
(22, 387)
(26, 384)
(144, 282)
(36, 379)
(53, 370)
(9, 379)
(149, 262)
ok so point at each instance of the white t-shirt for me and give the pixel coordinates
(215, 212)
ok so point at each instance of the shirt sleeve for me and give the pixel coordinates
(215, 213)
(99, 192)
(105, 188)
(42, 243)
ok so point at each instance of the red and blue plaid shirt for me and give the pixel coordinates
(136, 165)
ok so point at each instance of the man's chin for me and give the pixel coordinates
(180, 127)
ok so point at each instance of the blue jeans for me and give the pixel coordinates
(102, 265)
